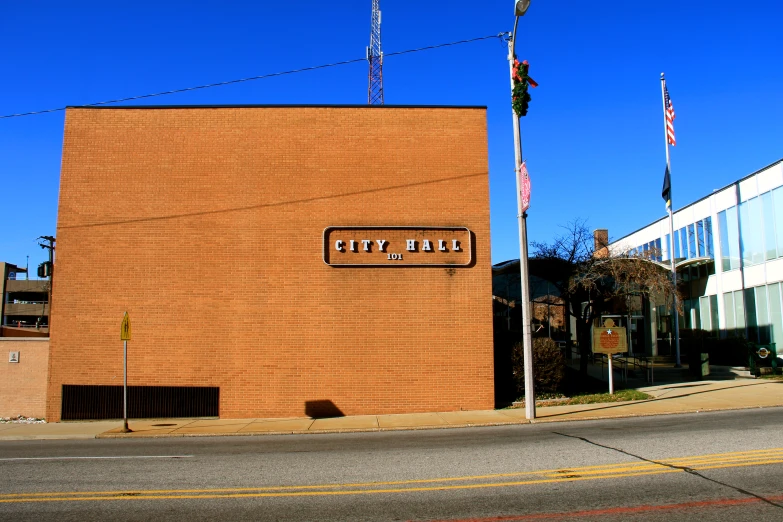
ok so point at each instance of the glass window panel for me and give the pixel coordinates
(714, 321)
(659, 250)
(739, 311)
(745, 237)
(768, 207)
(666, 246)
(762, 315)
(677, 245)
(683, 243)
(751, 233)
(701, 250)
(733, 235)
(752, 319)
(777, 199)
(723, 230)
(775, 314)
(704, 312)
(728, 307)
(757, 230)
(708, 237)
(691, 242)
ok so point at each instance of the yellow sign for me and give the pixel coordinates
(125, 329)
(610, 340)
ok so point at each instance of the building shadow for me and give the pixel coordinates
(323, 409)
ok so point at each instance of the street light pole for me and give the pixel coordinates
(520, 7)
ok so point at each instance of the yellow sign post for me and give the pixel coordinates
(125, 329)
(610, 339)
(125, 335)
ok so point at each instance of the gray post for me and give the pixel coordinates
(527, 340)
(125, 387)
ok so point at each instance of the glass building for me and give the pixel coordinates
(728, 251)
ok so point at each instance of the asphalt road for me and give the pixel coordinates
(717, 466)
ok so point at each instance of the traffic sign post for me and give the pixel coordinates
(125, 335)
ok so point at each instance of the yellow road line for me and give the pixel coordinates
(607, 471)
(321, 493)
(602, 468)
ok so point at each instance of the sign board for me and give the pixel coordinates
(610, 340)
(397, 246)
(125, 328)
(13, 357)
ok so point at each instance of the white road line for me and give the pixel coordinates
(97, 458)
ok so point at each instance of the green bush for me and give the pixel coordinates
(548, 365)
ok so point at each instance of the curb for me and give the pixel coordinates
(108, 435)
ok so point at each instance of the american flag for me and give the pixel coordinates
(669, 116)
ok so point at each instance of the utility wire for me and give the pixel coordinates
(261, 77)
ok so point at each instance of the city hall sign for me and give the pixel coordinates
(398, 246)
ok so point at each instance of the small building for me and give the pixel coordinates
(728, 253)
(25, 304)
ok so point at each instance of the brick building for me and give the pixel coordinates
(295, 260)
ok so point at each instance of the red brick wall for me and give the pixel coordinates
(206, 225)
(23, 384)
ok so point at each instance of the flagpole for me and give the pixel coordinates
(671, 232)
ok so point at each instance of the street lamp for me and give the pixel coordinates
(520, 8)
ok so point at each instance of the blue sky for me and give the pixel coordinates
(593, 138)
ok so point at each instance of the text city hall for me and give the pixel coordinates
(411, 245)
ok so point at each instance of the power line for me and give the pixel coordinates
(261, 77)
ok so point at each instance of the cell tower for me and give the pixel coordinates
(375, 57)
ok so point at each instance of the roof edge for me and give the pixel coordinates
(277, 106)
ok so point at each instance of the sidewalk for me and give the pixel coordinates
(667, 399)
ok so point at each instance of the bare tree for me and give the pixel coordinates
(589, 276)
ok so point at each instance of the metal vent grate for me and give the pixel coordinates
(89, 402)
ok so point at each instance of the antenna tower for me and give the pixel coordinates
(375, 57)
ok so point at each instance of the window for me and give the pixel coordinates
(761, 312)
(708, 313)
(691, 242)
(729, 238)
(751, 232)
(775, 315)
(752, 315)
(714, 321)
(762, 315)
(708, 237)
(777, 199)
(735, 315)
(728, 307)
(739, 310)
(677, 245)
(770, 246)
(659, 250)
(666, 247)
(684, 243)
(692, 314)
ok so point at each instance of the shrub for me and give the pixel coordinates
(548, 365)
